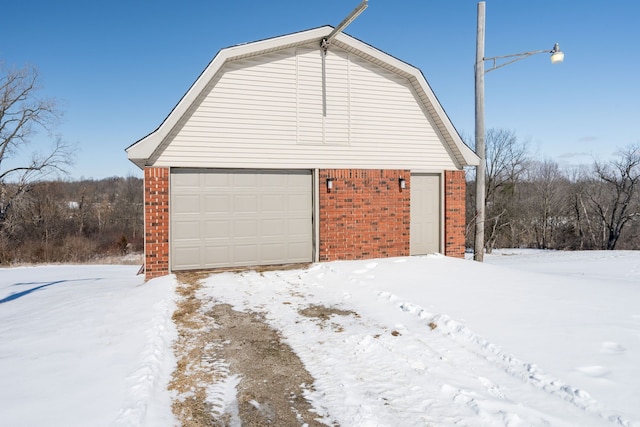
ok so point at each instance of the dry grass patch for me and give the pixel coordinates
(191, 376)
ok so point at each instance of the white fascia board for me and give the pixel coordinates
(470, 156)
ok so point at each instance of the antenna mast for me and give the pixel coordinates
(324, 44)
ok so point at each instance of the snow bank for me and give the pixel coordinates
(85, 345)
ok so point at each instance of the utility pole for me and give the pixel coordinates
(478, 248)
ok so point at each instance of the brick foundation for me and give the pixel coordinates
(454, 213)
(365, 214)
(156, 222)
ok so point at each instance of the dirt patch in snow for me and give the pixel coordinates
(219, 344)
(323, 315)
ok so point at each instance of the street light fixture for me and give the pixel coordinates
(557, 56)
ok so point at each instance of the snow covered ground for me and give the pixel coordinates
(527, 338)
(85, 346)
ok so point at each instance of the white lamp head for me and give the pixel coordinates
(557, 55)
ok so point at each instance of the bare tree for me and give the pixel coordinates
(616, 202)
(22, 114)
(506, 158)
(546, 201)
(581, 217)
(128, 211)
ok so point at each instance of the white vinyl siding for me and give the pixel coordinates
(309, 124)
(267, 112)
(337, 129)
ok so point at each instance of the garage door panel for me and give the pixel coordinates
(297, 202)
(216, 229)
(245, 179)
(244, 228)
(245, 203)
(238, 217)
(244, 253)
(185, 181)
(295, 184)
(297, 227)
(274, 180)
(272, 202)
(189, 257)
(216, 203)
(273, 252)
(189, 230)
(222, 181)
(275, 227)
(216, 255)
(298, 251)
(187, 203)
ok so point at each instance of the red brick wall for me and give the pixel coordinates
(365, 215)
(156, 222)
(454, 213)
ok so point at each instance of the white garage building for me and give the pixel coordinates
(282, 152)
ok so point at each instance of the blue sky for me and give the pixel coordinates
(117, 68)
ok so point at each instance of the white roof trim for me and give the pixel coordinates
(145, 149)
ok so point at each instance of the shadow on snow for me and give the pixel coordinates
(16, 295)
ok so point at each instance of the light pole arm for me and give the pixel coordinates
(556, 56)
(515, 56)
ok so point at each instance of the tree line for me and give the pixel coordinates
(73, 221)
(538, 204)
(529, 203)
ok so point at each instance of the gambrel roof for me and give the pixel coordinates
(145, 151)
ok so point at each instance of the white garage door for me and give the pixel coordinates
(223, 218)
(425, 214)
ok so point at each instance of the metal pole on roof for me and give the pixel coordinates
(345, 22)
(324, 44)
